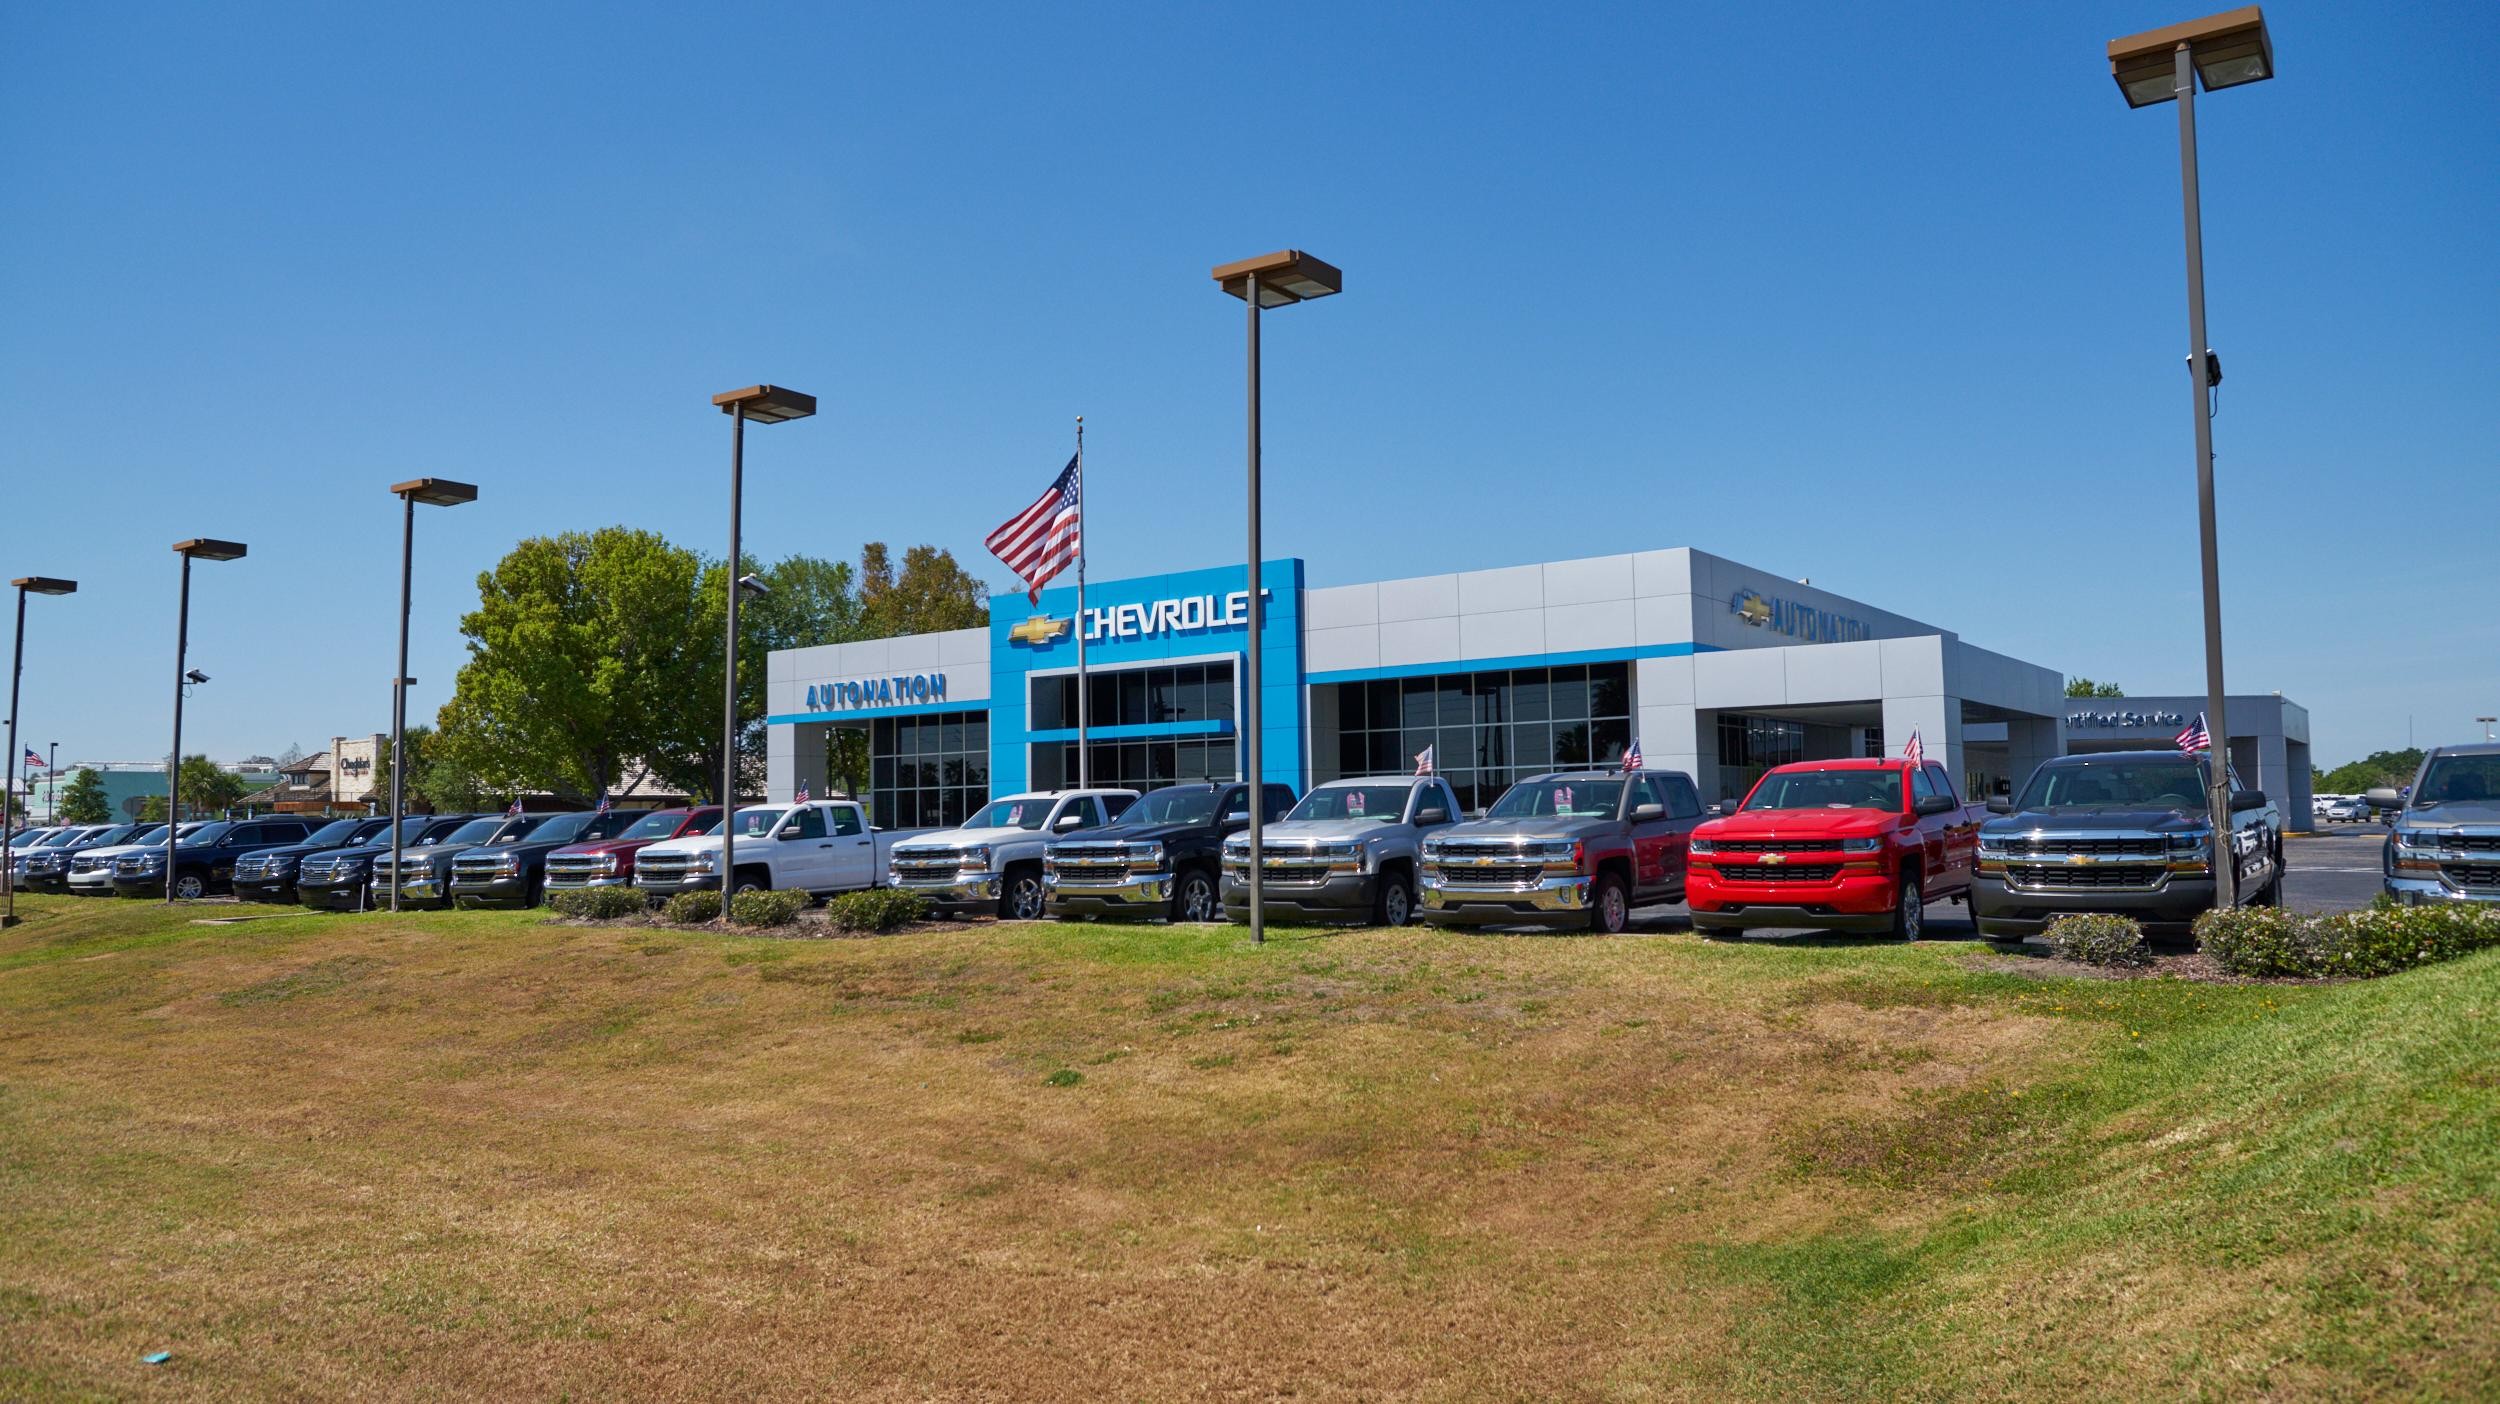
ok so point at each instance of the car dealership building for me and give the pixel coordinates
(1716, 668)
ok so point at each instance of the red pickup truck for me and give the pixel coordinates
(1838, 845)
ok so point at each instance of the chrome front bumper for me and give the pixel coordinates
(963, 890)
(2422, 892)
(1124, 894)
(1561, 896)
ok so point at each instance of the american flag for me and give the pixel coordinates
(2194, 738)
(33, 760)
(1632, 757)
(801, 796)
(516, 807)
(1423, 761)
(1915, 752)
(1045, 538)
(603, 803)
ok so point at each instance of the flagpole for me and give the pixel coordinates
(1084, 762)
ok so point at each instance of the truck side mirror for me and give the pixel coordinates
(1934, 804)
(1650, 810)
(2245, 800)
(1729, 806)
(1073, 819)
(1434, 814)
(2383, 798)
(2000, 804)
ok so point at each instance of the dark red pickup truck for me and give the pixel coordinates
(1840, 845)
(610, 862)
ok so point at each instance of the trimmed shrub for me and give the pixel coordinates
(692, 908)
(598, 903)
(2259, 941)
(2099, 939)
(2382, 940)
(877, 909)
(776, 908)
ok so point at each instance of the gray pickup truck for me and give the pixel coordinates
(1571, 848)
(2124, 832)
(1349, 849)
(2445, 842)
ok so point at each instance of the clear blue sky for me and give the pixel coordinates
(1888, 297)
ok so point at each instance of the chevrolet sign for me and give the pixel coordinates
(1038, 630)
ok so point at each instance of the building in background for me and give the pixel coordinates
(2269, 739)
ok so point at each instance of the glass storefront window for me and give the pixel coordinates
(929, 771)
(1486, 729)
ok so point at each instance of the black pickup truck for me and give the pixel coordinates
(269, 875)
(513, 872)
(336, 880)
(424, 872)
(1162, 857)
(2124, 832)
(203, 860)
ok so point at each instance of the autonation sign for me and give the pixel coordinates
(899, 690)
(1798, 621)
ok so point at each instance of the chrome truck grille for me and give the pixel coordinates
(1081, 865)
(662, 867)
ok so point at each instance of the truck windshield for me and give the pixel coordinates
(1385, 804)
(1173, 806)
(1012, 814)
(2142, 784)
(1828, 789)
(1565, 798)
(564, 828)
(476, 831)
(756, 823)
(206, 833)
(653, 826)
(2465, 779)
(337, 831)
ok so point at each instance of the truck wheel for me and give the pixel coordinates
(751, 880)
(1395, 906)
(1909, 919)
(189, 886)
(1194, 898)
(1023, 898)
(1610, 907)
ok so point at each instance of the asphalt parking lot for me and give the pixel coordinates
(2335, 870)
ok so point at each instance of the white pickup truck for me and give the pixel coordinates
(821, 847)
(995, 860)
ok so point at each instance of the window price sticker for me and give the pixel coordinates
(1562, 799)
(1015, 814)
(1354, 804)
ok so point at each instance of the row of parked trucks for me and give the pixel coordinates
(1854, 845)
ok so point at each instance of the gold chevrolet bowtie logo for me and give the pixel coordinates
(1038, 630)
(1774, 857)
(2080, 858)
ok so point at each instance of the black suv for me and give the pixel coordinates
(513, 873)
(269, 875)
(1162, 857)
(334, 880)
(204, 859)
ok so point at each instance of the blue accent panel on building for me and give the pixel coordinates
(1133, 733)
(1151, 619)
(1531, 660)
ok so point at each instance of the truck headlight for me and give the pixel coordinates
(2192, 850)
(508, 865)
(1149, 854)
(1869, 844)
(977, 856)
(708, 861)
(1703, 845)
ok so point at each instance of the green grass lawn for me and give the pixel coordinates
(480, 1155)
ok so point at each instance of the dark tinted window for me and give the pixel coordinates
(808, 823)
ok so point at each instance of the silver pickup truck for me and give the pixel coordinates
(2444, 845)
(995, 859)
(1347, 850)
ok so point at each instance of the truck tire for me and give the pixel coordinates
(190, 886)
(1394, 904)
(1909, 914)
(1193, 897)
(1610, 905)
(1022, 897)
(752, 880)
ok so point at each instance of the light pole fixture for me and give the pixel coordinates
(25, 585)
(198, 548)
(763, 404)
(2486, 725)
(1270, 280)
(2163, 65)
(433, 492)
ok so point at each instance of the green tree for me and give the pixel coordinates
(208, 789)
(2387, 769)
(2085, 687)
(83, 800)
(437, 782)
(931, 595)
(581, 653)
(151, 809)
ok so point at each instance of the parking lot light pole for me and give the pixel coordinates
(25, 585)
(433, 492)
(1270, 280)
(2484, 721)
(201, 548)
(2164, 65)
(763, 404)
